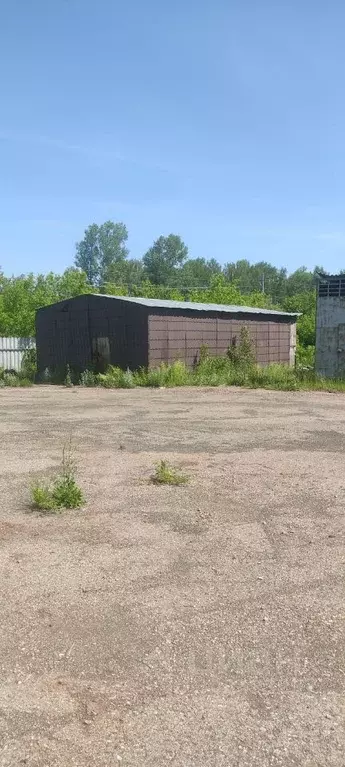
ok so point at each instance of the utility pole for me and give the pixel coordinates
(263, 282)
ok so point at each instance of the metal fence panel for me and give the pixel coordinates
(12, 350)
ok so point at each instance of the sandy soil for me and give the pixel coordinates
(198, 626)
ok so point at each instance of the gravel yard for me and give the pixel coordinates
(193, 626)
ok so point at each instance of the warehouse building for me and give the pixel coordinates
(330, 326)
(92, 331)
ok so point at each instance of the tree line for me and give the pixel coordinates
(104, 257)
(102, 263)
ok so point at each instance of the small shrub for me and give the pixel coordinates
(153, 377)
(63, 493)
(68, 380)
(66, 493)
(176, 374)
(11, 380)
(242, 354)
(204, 352)
(88, 378)
(25, 382)
(42, 497)
(29, 364)
(116, 378)
(128, 380)
(168, 475)
(305, 356)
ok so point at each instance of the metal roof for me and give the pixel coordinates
(157, 303)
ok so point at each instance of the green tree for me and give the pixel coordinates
(300, 281)
(223, 292)
(20, 297)
(101, 248)
(258, 277)
(197, 272)
(305, 303)
(87, 255)
(129, 273)
(164, 258)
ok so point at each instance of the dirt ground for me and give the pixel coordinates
(196, 626)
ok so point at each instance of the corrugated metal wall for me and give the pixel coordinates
(172, 338)
(12, 350)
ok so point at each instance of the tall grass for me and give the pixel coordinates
(14, 379)
(237, 368)
(218, 371)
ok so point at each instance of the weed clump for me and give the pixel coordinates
(42, 497)
(116, 378)
(68, 379)
(242, 354)
(29, 364)
(64, 492)
(165, 375)
(88, 378)
(165, 474)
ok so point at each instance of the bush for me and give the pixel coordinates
(88, 378)
(42, 497)
(168, 475)
(29, 364)
(116, 378)
(242, 354)
(176, 374)
(25, 382)
(305, 356)
(10, 379)
(66, 493)
(13, 379)
(68, 380)
(63, 493)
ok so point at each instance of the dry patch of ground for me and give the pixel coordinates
(200, 625)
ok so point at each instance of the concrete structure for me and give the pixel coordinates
(92, 331)
(330, 326)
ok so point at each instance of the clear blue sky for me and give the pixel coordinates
(223, 122)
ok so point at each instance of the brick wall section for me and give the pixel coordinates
(173, 337)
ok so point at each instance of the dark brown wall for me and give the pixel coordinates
(62, 335)
(180, 337)
(72, 332)
(126, 327)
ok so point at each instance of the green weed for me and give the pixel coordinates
(116, 378)
(29, 364)
(63, 492)
(176, 374)
(10, 379)
(14, 380)
(42, 497)
(68, 379)
(242, 354)
(165, 474)
(88, 378)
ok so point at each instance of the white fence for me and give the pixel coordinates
(12, 351)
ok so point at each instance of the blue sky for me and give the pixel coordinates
(223, 122)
